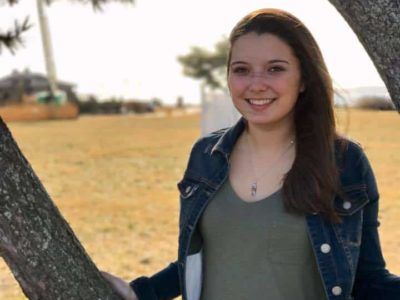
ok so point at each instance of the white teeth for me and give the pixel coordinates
(260, 101)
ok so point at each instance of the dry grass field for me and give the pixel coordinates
(114, 180)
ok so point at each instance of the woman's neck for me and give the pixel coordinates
(271, 137)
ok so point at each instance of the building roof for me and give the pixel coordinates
(34, 80)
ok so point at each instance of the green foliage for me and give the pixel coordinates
(116, 106)
(209, 66)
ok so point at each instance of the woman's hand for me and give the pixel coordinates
(120, 286)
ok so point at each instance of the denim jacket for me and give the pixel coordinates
(348, 254)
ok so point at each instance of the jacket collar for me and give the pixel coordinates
(228, 139)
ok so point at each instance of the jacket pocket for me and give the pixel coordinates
(349, 231)
(188, 193)
(354, 199)
(187, 188)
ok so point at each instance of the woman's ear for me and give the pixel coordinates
(302, 87)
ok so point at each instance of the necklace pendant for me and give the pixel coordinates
(254, 189)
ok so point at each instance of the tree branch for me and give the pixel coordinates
(12, 39)
(9, 2)
(209, 66)
(377, 25)
(96, 4)
(36, 242)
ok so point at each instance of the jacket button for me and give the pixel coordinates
(188, 189)
(346, 205)
(337, 290)
(325, 248)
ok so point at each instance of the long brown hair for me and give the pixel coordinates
(312, 182)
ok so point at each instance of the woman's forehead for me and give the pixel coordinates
(261, 47)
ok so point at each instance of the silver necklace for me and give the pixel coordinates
(253, 186)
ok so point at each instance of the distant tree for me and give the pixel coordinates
(208, 66)
(113, 106)
(12, 38)
(89, 106)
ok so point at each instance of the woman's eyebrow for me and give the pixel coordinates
(278, 60)
(270, 61)
(238, 62)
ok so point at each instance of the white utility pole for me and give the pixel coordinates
(47, 48)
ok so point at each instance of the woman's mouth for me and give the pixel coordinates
(259, 102)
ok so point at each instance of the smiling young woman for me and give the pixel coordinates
(279, 206)
(264, 79)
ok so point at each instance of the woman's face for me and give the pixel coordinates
(264, 79)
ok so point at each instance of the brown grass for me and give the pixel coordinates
(114, 179)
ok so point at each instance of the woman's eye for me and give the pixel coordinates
(240, 70)
(276, 69)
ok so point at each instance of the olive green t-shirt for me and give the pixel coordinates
(256, 251)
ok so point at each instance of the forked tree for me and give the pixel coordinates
(37, 243)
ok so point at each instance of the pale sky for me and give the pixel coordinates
(130, 51)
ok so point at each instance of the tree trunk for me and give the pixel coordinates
(377, 25)
(35, 241)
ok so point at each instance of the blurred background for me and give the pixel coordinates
(130, 52)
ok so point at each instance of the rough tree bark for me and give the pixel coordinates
(38, 245)
(35, 241)
(377, 25)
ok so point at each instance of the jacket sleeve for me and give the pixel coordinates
(373, 281)
(163, 285)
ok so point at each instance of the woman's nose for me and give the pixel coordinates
(258, 82)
